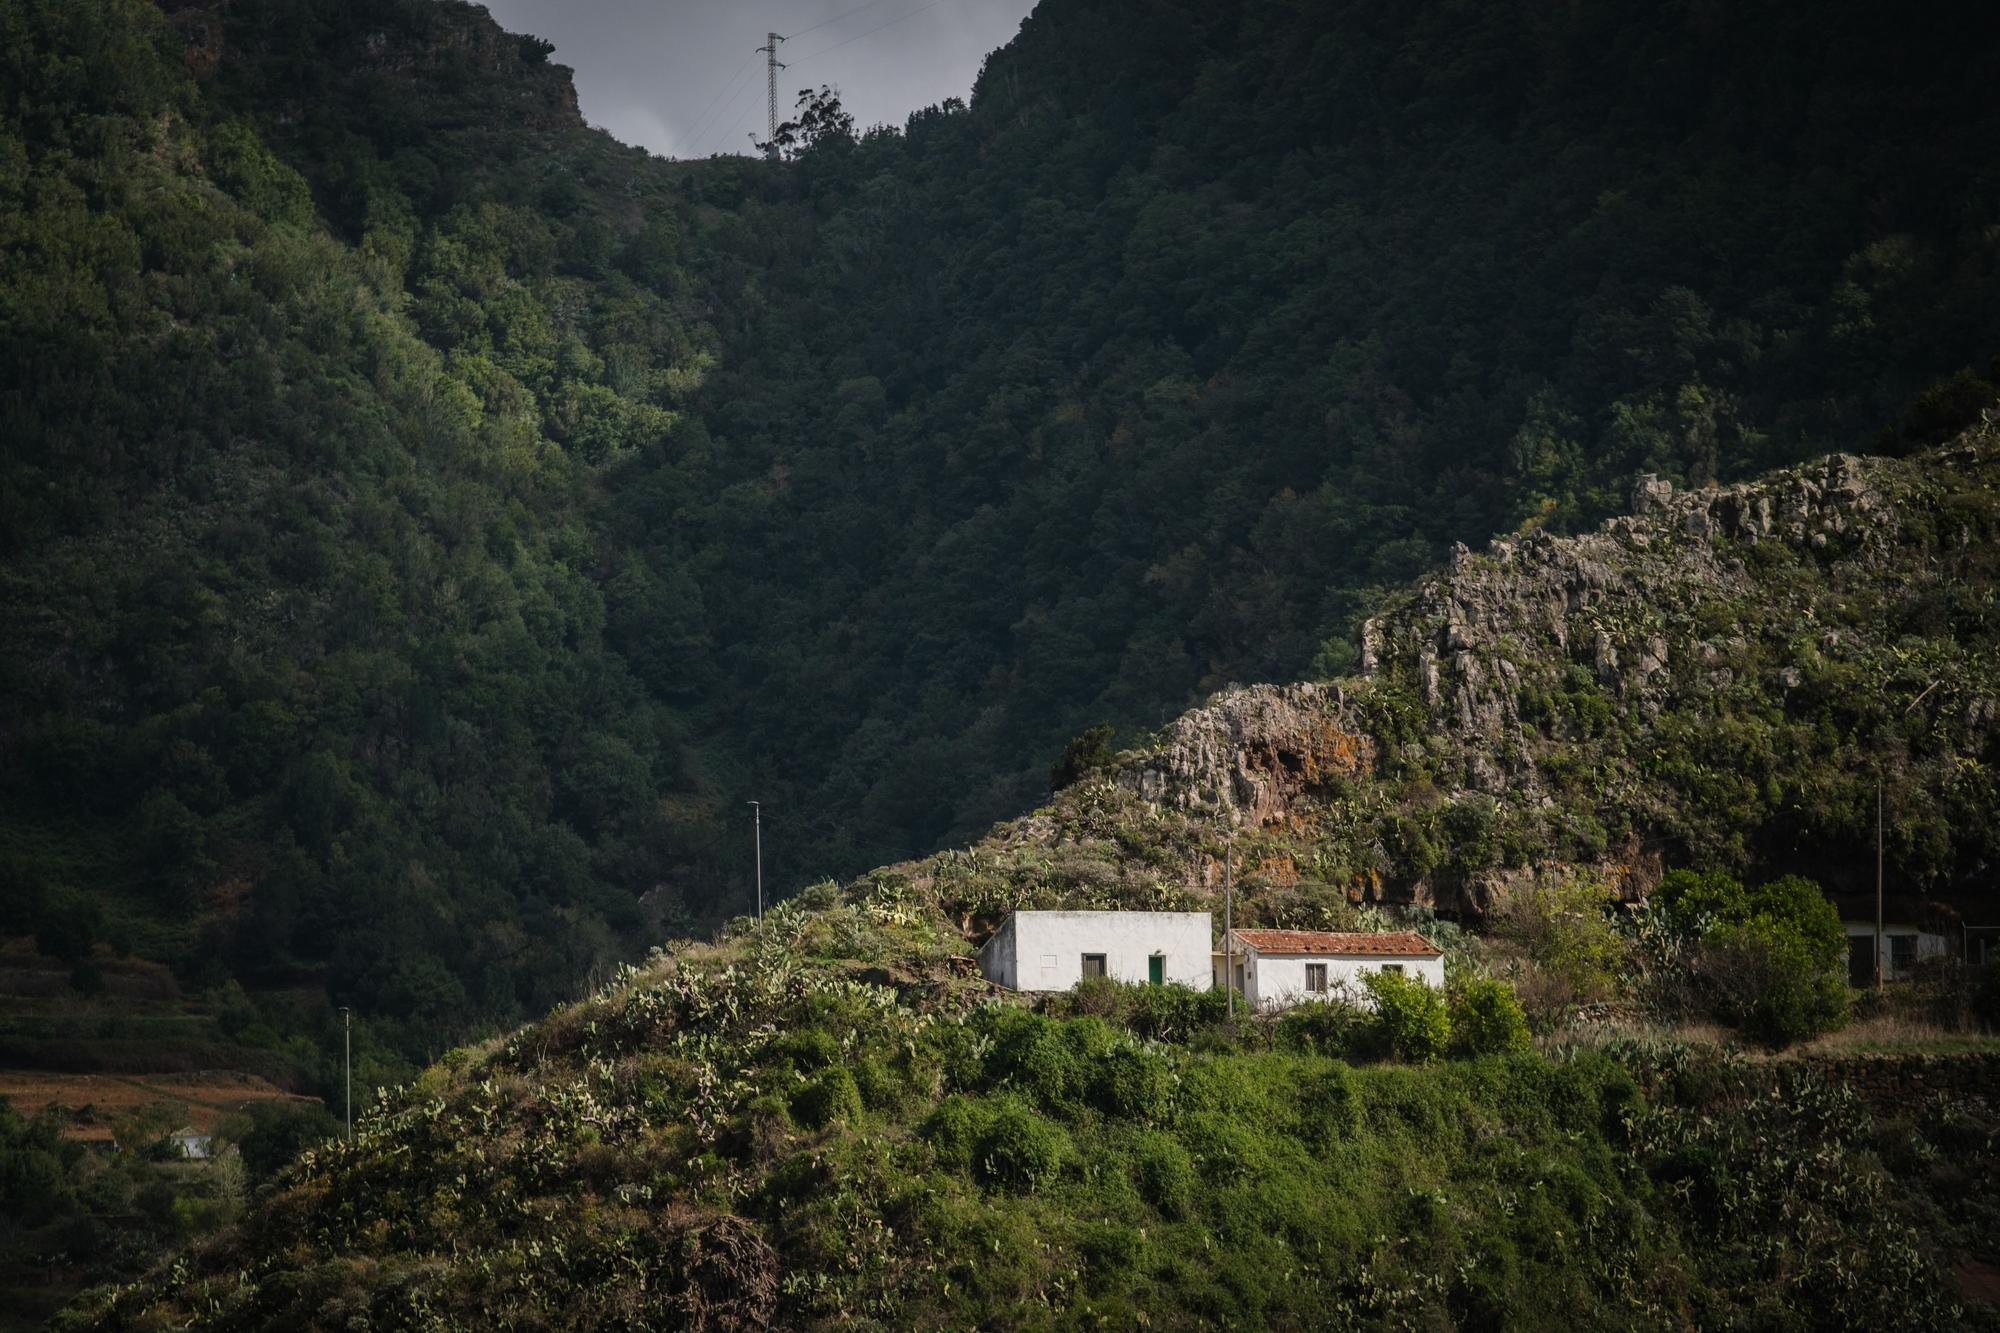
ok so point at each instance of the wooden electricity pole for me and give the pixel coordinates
(347, 1063)
(1228, 944)
(757, 823)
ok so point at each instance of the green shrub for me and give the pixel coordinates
(1019, 1148)
(1770, 960)
(1410, 1015)
(1773, 983)
(1131, 1083)
(1104, 997)
(832, 1096)
(1572, 945)
(1038, 1057)
(1165, 1175)
(1327, 1027)
(807, 1049)
(1486, 1018)
(1109, 1248)
(1174, 1012)
(1329, 1107)
(875, 1084)
(953, 1129)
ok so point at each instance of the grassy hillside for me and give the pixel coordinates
(820, 1124)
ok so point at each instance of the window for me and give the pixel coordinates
(1156, 969)
(1093, 965)
(1316, 978)
(1397, 968)
(1902, 953)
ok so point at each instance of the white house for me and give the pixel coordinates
(192, 1143)
(1055, 950)
(1904, 945)
(1275, 969)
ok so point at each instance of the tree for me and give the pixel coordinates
(821, 121)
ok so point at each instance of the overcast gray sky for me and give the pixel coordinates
(682, 77)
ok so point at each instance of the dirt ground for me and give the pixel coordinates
(95, 1100)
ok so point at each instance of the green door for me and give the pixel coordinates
(1156, 969)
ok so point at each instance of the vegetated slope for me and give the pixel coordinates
(769, 1133)
(820, 1121)
(303, 668)
(1205, 322)
(425, 520)
(1716, 680)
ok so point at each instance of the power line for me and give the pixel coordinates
(716, 104)
(723, 138)
(871, 32)
(835, 19)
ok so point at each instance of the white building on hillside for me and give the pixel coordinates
(1055, 950)
(1275, 969)
(1904, 945)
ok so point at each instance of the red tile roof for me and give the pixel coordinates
(1399, 943)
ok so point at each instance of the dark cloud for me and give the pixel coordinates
(683, 78)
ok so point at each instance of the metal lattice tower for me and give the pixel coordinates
(771, 67)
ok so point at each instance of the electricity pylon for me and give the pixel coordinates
(771, 67)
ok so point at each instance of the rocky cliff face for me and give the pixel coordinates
(1715, 678)
(428, 53)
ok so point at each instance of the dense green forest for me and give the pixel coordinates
(424, 521)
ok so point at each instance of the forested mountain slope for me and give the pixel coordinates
(303, 670)
(1206, 322)
(424, 521)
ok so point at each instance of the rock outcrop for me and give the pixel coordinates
(1249, 754)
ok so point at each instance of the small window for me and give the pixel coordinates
(1093, 965)
(1397, 968)
(1316, 978)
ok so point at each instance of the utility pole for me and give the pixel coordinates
(757, 823)
(1878, 837)
(771, 67)
(1228, 946)
(347, 1064)
(1878, 880)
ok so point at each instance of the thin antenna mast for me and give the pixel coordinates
(771, 67)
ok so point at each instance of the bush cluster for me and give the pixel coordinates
(1769, 959)
(1405, 1019)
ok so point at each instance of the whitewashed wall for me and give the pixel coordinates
(1929, 943)
(1279, 982)
(1043, 951)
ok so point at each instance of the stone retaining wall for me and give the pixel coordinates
(1894, 1084)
